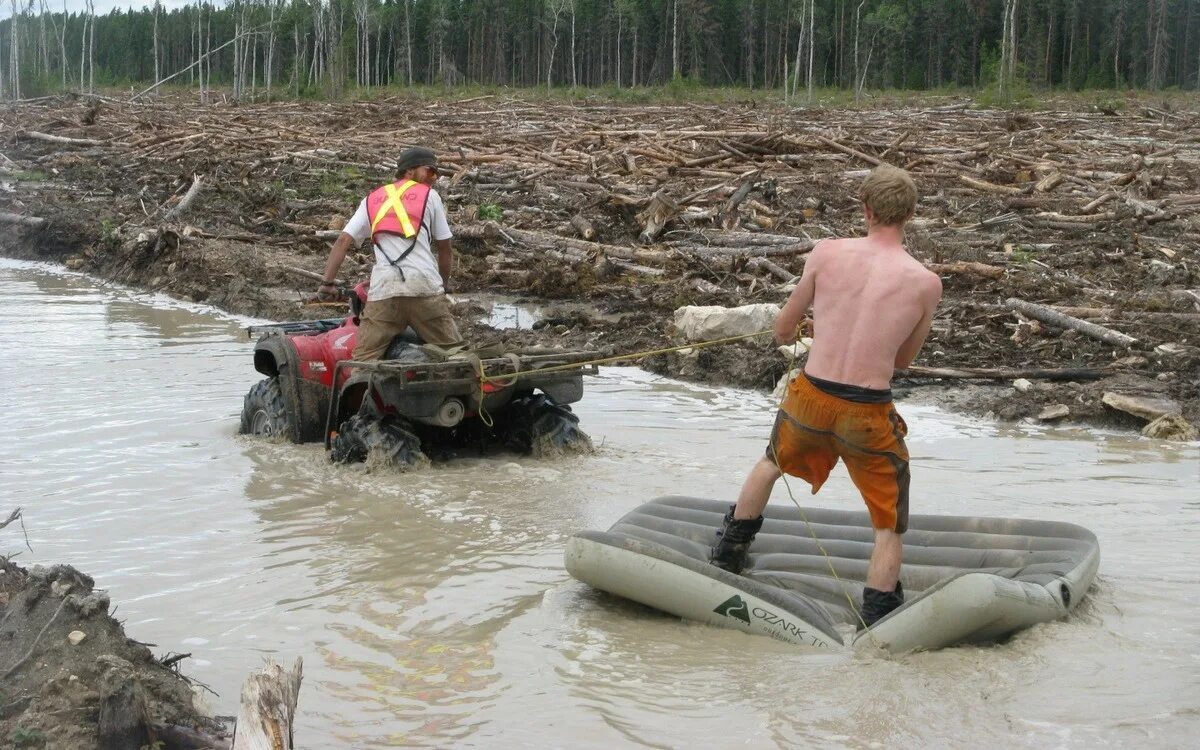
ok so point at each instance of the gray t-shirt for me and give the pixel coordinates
(420, 276)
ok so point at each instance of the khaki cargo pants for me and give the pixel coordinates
(383, 319)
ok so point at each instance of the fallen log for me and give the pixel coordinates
(584, 227)
(967, 268)
(33, 222)
(60, 139)
(847, 150)
(726, 238)
(1055, 318)
(729, 213)
(990, 187)
(184, 203)
(268, 708)
(656, 216)
(1002, 373)
(774, 269)
(490, 229)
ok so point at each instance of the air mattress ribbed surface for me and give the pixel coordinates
(967, 580)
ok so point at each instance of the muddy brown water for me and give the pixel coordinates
(433, 609)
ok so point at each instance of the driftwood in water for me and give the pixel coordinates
(268, 708)
(1055, 318)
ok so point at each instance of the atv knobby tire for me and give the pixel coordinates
(537, 426)
(388, 440)
(264, 411)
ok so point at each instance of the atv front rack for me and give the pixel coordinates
(466, 372)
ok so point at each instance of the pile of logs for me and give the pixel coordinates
(1075, 208)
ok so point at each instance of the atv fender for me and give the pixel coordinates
(306, 401)
(350, 399)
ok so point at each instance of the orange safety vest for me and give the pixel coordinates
(398, 208)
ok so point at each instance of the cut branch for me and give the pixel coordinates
(1055, 318)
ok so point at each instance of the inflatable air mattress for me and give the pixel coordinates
(967, 580)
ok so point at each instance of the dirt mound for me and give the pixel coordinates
(71, 678)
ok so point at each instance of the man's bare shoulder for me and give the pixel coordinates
(929, 283)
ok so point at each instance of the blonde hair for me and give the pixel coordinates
(891, 195)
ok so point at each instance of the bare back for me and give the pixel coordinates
(872, 306)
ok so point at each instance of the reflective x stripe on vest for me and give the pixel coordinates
(396, 208)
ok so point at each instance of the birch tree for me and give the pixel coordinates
(1008, 49)
(14, 55)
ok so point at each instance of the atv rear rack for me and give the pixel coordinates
(463, 372)
(452, 371)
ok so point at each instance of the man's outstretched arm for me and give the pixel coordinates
(800, 300)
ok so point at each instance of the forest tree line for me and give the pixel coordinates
(264, 48)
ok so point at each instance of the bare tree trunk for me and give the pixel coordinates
(62, 46)
(792, 84)
(620, 28)
(1008, 50)
(857, 29)
(157, 72)
(83, 50)
(43, 40)
(270, 49)
(408, 38)
(1158, 49)
(634, 62)
(574, 78)
(14, 56)
(812, 45)
(676, 70)
(556, 10)
(3, 87)
(92, 48)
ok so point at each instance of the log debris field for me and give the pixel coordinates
(1068, 241)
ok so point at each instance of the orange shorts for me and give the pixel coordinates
(814, 429)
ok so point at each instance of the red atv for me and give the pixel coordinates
(417, 400)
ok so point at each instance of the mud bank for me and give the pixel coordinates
(72, 678)
(1092, 215)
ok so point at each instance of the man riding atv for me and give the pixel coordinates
(403, 219)
(371, 383)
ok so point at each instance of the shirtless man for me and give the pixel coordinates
(872, 306)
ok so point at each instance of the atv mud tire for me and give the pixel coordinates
(263, 411)
(390, 440)
(537, 426)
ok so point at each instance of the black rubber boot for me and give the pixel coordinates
(733, 542)
(878, 604)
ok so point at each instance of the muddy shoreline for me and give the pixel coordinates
(108, 198)
(83, 682)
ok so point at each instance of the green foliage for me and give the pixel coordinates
(1021, 255)
(22, 737)
(726, 47)
(108, 233)
(490, 212)
(27, 176)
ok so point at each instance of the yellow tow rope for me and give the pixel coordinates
(512, 377)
